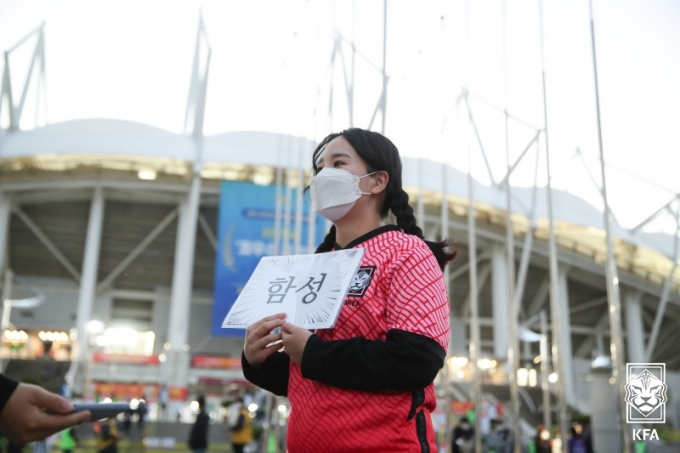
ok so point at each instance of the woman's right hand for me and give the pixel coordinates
(260, 342)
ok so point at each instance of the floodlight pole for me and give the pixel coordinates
(475, 337)
(557, 318)
(383, 101)
(616, 346)
(513, 349)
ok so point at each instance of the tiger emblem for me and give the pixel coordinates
(646, 393)
(361, 281)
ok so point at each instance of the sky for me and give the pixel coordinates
(271, 70)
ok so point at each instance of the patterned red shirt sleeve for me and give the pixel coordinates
(417, 297)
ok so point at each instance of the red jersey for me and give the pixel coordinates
(399, 288)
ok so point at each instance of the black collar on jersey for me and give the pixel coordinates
(367, 236)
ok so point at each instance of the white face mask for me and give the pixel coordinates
(334, 191)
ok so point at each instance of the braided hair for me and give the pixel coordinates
(380, 154)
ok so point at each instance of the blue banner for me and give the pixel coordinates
(246, 226)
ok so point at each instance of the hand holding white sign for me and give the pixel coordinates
(260, 341)
(295, 339)
(309, 289)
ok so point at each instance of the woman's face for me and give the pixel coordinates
(340, 154)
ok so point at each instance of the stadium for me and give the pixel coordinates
(114, 234)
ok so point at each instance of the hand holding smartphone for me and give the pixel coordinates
(100, 411)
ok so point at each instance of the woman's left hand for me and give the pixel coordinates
(294, 340)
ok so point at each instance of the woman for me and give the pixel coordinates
(108, 436)
(198, 436)
(366, 384)
(241, 430)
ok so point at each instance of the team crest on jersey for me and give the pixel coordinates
(361, 281)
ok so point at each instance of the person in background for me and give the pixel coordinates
(108, 437)
(23, 418)
(68, 440)
(367, 383)
(242, 430)
(577, 444)
(462, 440)
(198, 436)
(541, 442)
(141, 413)
(127, 422)
(500, 440)
(557, 442)
(163, 399)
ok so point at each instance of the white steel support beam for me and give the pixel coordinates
(482, 277)
(523, 270)
(599, 342)
(665, 341)
(88, 284)
(278, 205)
(383, 104)
(586, 347)
(178, 188)
(7, 91)
(527, 248)
(431, 233)
(501, 110)
(176, 368)
(658, 319)
(635, 332)
(612, 277)
(566, 257)
(205, 226)
(5, 214)
(298, 201)
(349, 82)
(463, 268)
(556, 317)
(538, 301)
(512, 168)
(48, 243)
(475, 334)
(153, 295)
(545, 362)
(458, 346)
(444, 213)
(286, 232)
(479, 142)
(182, 281)
(565, 352)
(501, 301)
(53, 196)
(662, 209)
(158, 229)
(420, 202)
(195, 109)
(588, 304)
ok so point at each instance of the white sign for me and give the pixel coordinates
(646, 393)
(310, 289)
